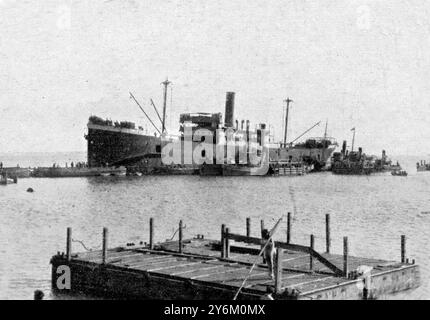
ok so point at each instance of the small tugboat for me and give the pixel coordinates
(399, 173)
(358, 163)
(352, 162)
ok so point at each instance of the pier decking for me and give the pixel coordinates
(209, 269)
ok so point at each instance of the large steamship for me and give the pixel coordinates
(122, 143)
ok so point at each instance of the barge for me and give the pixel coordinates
(229, 268)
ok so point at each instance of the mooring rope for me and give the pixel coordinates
(272, 232)
(84, 246)
(177, 230)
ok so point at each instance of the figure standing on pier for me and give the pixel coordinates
(269, 252)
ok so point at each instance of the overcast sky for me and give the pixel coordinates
(363, 64)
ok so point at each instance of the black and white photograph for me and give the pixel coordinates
(226, 150)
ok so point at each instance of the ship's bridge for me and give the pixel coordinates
(199, 120)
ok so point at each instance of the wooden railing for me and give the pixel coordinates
(225, 249)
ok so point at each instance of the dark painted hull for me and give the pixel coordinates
(109, 145)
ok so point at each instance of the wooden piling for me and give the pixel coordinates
(311, 260)
(248, 227)
(223, 241)
(105, 245)
(151, 233)
(262, 227)
(180, 236)
(327, 232)
(227, 243)
(289, 227)
(69, 244)
(345, 256)
(278, 271)
(262, 245)
(403, 248)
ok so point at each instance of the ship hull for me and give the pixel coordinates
(319, 158)
(107, 146)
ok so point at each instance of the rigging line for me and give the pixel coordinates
(177, 230)
(131, 96)
(155, 108)
(272, 233)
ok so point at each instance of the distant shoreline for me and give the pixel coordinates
(39, 152)
(41, 159)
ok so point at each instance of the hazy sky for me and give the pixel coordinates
(363, 64)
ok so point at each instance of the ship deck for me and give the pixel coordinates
(205, 269)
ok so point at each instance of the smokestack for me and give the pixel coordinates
(360, 152)
(344, 148)
(229, 109)
(237, 125)
(241, 126)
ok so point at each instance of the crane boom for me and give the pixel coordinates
(137, 102)
(316, 124)
(155, 108)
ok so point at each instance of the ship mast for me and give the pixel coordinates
(165, 84)
(288, 100)
(325, 132)
(325, 139)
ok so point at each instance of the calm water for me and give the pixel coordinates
(373, 211)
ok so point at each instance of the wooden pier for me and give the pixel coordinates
(199, 268)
